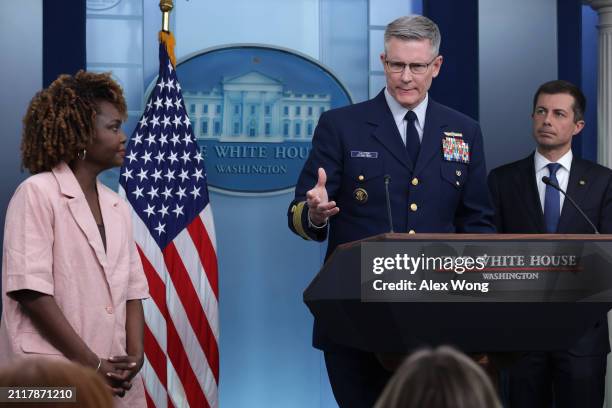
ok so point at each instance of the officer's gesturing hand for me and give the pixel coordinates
(319, 206)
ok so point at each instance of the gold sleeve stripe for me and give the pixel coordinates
(297, 220)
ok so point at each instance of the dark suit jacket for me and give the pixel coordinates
(518, 210)
(363, 140)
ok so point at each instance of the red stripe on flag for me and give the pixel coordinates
(193, 307)
(157, 288)
(206, 251)
(176, 353)
(156, 356)
(150, 402)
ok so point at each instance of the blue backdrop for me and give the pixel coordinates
(266, 356)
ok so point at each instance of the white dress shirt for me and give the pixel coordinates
(562, 174)
(398, 112)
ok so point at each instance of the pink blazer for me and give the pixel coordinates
(52, 245)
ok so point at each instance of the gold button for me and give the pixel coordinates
(413, 207)
(361, 178)
(415, 181)
(458, 173)
(412, 232)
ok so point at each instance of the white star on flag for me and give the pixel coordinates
(183, 176)
(177, 121)
(181, 193)
(143, 121)
(166, 121)
(178, 210)
(163, 211)
(160, 228)
(156, 174)
(150, 210)
(137, 139)
(151, 139)
(154, 121)
(132, 157)
(158, 103)
(142, 175)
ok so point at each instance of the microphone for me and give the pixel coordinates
(387, 179)
(546, 180)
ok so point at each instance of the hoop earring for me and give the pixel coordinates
(82, 154)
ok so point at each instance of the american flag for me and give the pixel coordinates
(164, 180)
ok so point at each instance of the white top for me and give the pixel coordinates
(398, 112)
(541, 170)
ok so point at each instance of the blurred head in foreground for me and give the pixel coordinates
(439, 378)
(89, 388)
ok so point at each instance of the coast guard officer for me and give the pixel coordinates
(433, 156)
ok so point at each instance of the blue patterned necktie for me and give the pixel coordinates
(413, 144)
(552, 207)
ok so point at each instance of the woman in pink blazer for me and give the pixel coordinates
(72, 280)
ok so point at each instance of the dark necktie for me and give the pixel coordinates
(552, 207)
(413, 144)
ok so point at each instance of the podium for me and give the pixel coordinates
(550, 318)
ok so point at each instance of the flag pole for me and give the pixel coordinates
(166, 6)
(165, 36)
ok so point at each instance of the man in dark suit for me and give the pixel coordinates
(524, 204)
(433, 156)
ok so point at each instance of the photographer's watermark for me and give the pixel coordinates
(472, 271)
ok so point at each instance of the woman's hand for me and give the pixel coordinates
(119, 371)
(128, 365)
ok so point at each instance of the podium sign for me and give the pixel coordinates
(510, 292)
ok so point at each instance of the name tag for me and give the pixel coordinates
(364, 155)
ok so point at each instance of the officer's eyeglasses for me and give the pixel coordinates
(415, 67)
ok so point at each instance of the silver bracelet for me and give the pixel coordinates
(99, 364)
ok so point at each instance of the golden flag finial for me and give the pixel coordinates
(166, 6)
(165, 36)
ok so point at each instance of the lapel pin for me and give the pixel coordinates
(582, 182)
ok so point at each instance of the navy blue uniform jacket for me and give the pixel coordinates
(518, 211)
(358, 145)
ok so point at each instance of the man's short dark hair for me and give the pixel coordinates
(564, 87)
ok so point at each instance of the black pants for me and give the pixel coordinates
(356, 377)
(539, 378)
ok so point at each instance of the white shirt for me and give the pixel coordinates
(541, 170)
(398, 112)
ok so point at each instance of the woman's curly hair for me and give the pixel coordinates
(60, 121)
